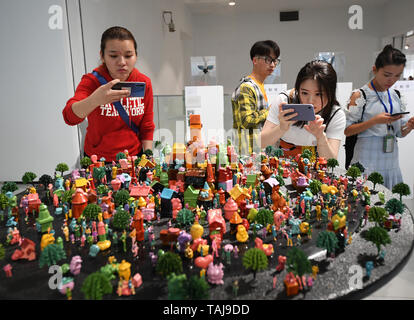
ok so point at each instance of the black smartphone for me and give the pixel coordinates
(399, 113)
(137, 89)
(305, 112)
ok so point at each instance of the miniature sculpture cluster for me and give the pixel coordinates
(192, 216)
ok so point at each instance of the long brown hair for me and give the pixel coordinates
(325, 75)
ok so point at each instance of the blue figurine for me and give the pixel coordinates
(94, 250)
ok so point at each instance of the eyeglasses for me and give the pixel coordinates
(269, 60)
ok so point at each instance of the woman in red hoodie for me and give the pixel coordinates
(107, 133)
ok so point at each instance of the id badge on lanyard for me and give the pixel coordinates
(388, 141)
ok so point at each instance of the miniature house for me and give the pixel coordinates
(191, 196)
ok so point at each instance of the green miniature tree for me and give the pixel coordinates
(378, 215)
(148, 153)
(306, 154)
(121, 197)
(359, 166)
(279, 153)
(255, 259)
(102, 189)
(67, 196)
(91, 212)
(45, 180)
(121, 219)
(297, 262)
(120, 155)
(85, 162)
(185, 217)
(28, 177)
(315, 186)
(353, 172)
(394, 206)
(378, 236)
(264, 217)
(51, 255)
(376, 178)
(9, 187)
(169, 263)
(332, 163)
(197, 288)
(177, 287)
(402, 189)
(62, 167)
(98, 174)
(270, 151)
(95, 286)
(327, 240)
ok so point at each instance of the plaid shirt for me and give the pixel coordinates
(250, 110)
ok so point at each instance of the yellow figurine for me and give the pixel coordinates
(188, 253)
(47, 239)
(124, 270)
(65, 230)
(318, 209)
(315, 270)
(242, 235)
(196, 230)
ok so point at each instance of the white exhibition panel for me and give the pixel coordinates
(208, 102)
(406, 144)
(343, 92)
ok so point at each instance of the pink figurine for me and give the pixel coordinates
(75, 265)
(215, 273)
(94, 232)
(16, 237)
(8, 270)
(83, 239)
(274, 281)
(310, 282)
(134, 249)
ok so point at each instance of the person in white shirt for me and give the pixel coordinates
(316, 85)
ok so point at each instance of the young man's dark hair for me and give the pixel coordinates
(264, 48)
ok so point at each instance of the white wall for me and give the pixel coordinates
(230, 37)
(398, 17)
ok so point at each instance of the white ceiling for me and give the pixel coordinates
(215, 6)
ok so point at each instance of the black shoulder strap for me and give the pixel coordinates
(329, 120)
(363, 107)
(398, 93)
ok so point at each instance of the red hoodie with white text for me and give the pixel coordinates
(107, 134)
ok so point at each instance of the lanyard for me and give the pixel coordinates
(389, 98)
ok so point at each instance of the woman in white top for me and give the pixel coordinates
(372, 116)
(316, 85)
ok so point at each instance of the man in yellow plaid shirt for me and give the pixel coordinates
(249, 100)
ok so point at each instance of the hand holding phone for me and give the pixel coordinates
(136, 89)
(305, 112)
(399, 114)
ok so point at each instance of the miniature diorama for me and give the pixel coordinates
(200, 222)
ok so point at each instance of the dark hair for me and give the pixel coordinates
(119, 33)
(325, 75)
(388, 56)
(264, 48)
